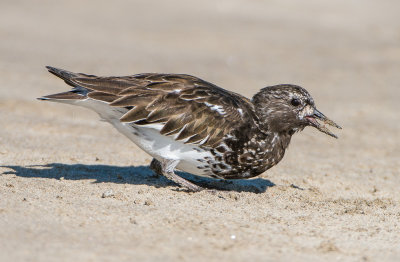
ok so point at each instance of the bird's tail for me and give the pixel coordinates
(77, 93)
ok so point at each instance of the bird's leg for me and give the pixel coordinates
(155, 165)
(167, 169)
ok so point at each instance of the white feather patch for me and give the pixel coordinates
(149, 139)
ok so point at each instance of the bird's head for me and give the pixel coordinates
(289, 108)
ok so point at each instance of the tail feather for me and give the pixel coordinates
(77, 93)
(70, 95)
(63, 74)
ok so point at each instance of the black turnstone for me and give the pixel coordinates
(189, 124)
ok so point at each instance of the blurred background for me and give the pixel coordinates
(346, 53)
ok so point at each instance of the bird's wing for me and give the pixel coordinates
(188, 108)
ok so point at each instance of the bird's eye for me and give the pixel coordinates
(295, 102)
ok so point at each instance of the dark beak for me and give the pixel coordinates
(316, 115)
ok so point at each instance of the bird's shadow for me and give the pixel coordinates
(136, 175)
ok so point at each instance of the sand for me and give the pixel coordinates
(73, 189)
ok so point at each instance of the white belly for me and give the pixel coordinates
(151, 141)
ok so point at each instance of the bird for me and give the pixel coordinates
(188, 124)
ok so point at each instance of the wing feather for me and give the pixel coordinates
(132, 100)
(193, 110)
(135, 114)
(102, 96)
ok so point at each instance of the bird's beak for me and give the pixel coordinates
(316, 115)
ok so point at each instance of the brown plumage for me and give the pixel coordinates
(176, 100)
(235, 137)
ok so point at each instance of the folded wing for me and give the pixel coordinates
(186, 107)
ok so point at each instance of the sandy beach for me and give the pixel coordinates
(74, 189)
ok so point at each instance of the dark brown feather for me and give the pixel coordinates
(65, 95)
(102, 96)
(135, 114)
(186, 105)
(173, 125)
(112, 85)
(132, 100)
(163, 113)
